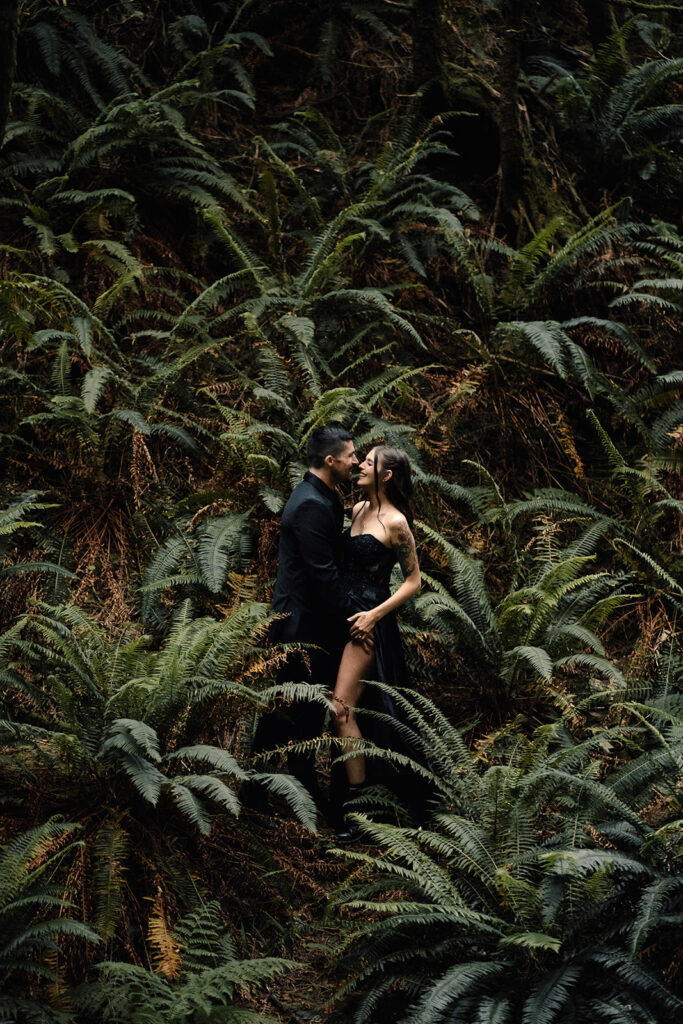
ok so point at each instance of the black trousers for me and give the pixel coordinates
(297, 722)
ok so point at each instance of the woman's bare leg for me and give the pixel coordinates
(355, 666)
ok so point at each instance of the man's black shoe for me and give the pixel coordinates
(349, 833)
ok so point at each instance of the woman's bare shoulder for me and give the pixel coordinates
(397, 524)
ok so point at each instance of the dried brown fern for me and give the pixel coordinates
(166, 951)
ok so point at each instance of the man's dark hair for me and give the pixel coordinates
(326, 440)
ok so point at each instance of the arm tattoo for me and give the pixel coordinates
(405, 550)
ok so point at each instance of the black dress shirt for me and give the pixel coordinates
(308, 585)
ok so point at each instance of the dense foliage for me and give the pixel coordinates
(453, 227)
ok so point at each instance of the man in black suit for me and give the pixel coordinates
(309, 593)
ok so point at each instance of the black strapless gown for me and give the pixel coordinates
(366, 571)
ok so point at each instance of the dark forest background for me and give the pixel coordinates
(455, 228)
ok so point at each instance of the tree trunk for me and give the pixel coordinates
(427, 55)
(600, 20)
(9, 28)
(512, 142)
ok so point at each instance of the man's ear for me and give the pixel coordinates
(328, 460)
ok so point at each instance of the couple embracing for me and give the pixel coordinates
(332, 589)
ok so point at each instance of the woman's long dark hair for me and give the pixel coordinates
(399, 486)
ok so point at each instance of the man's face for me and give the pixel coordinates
(343, 464)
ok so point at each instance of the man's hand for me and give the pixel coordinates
(362, 625)
(367, 642)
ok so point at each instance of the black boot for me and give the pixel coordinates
(349, 832)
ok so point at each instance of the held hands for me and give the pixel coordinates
(362, 625)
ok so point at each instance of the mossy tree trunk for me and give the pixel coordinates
(9, 28)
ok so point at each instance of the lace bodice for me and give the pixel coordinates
(366, 567)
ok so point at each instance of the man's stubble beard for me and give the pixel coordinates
(338, 479)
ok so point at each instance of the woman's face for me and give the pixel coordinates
(366, 470)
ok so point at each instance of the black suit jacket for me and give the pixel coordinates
(308, 585)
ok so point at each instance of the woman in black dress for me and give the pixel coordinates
(380, 535)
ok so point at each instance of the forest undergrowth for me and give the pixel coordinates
(454, 228)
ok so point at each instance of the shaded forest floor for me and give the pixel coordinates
(292, 914)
